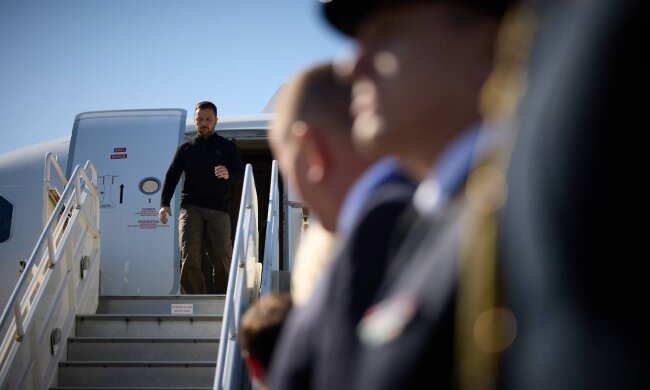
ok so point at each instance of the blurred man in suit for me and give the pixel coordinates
(568, 277)
(358, 200)
(310, 138)
(419, 69)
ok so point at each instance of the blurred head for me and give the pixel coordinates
(260, 328)
(419, 68)
(205, 118)
(311, 139)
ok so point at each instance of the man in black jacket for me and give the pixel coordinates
(211, 165)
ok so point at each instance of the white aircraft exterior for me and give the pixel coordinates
(131, 150)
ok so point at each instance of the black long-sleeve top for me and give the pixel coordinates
(198, 157)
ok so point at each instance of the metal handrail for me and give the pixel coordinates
(51, 160)
(245, 248)
(271, 242)
(20, 307)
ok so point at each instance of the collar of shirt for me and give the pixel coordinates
(200, 138)
(449, 173)
(361, 190)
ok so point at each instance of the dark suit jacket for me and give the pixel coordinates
(318, 341)
(573, 286)
(412, 343)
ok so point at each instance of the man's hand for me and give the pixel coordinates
(162, 214)
(221, 172)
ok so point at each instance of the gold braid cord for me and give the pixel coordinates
(484, 328)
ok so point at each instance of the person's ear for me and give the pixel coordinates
(255, 368)
(315, 150)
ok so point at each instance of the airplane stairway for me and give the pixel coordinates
(136, 343)
(56, 330)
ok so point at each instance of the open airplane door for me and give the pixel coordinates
(132, 150)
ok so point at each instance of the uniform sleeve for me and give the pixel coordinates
(235, 166)
(171, 178)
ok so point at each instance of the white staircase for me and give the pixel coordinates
(136, 343)
(50, 338)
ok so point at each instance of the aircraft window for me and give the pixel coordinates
(6, 215)
(150, 185)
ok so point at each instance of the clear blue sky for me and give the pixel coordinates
(62, 57)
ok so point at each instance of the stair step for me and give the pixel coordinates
(201, 304)
(140, 348)
(152, 374)
(156, 326)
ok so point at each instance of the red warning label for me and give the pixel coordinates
(118, 156)
(119, 150)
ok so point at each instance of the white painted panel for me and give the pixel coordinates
(139, 254)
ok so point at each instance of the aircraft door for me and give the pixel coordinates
(132, 150)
